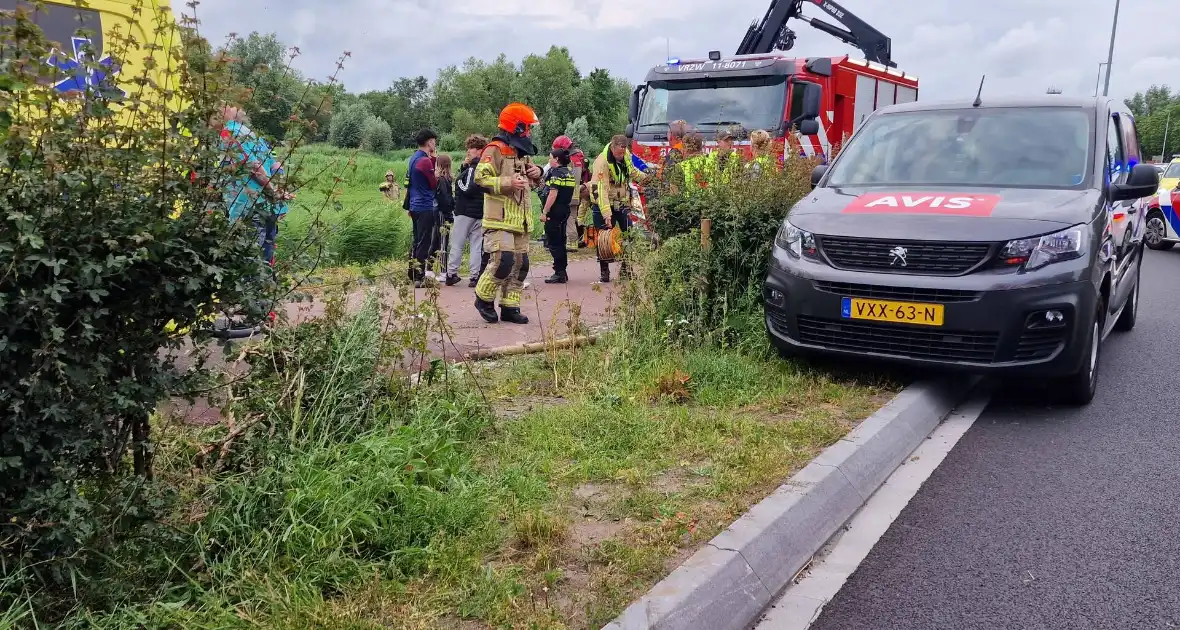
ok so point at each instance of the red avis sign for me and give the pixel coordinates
(957, 204)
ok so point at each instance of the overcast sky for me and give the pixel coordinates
(1024, 46)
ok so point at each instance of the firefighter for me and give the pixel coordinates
(611, 193)
(389, 187)
(692, 167)
(761, 148)
(677, 130)
(581, 175)
(724, 161)
(506, 172)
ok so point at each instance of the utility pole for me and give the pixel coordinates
(1110, 55)
(1098, 79)
(1167, 127)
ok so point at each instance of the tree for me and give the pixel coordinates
(579, 131)
(549, 84)
(465, 123)
(1152, 110)
(261, 63)
(605, 110)
(375, 135)
(347, 129)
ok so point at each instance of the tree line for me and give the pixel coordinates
(460, 101)
(1157, 114)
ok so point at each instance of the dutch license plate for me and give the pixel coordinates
(896, 312)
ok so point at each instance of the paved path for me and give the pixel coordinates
(1047, 517)
(547, 306)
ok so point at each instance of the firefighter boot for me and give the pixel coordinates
(512, 315)
(487, 310)
(604, 271)
(557, 278)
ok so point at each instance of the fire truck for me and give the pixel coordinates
(807, 105)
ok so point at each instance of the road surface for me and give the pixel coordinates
(1047, 517)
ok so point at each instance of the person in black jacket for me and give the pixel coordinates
(468, 220)
(444, 197)
(559, 189)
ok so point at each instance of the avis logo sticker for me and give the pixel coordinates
(956, 204)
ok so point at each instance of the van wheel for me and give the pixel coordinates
(1078, 389)
(1126, 321)
(1156, 230)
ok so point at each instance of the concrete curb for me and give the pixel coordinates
(728, 583)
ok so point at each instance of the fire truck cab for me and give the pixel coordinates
(769, 91)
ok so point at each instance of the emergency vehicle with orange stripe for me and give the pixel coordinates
(762, 88)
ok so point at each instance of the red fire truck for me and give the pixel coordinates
(807, 105)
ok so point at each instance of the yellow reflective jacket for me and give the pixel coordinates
(719, 174)
(610, 181)
(504, 208)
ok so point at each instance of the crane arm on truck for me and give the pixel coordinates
(773, 32)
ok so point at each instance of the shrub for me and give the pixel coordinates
(449, 143)
(376, 136)
(105, 240)
(347, 129)
(717, 292)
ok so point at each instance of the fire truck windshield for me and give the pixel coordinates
(755, 103)
(1041, 147)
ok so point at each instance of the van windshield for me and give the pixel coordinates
(1036, 147)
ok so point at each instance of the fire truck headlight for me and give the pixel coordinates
(796, 242)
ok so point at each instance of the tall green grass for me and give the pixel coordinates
(351, 217)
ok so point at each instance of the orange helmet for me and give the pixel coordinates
(518, 118)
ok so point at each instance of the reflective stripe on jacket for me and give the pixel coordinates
(503, 208)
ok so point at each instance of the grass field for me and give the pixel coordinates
(341, 203)
(541, 492)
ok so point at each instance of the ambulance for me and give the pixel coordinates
(79, 33)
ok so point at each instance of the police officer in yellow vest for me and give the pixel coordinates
(506, 172)
(610, 183)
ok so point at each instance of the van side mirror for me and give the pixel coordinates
(817, 174)
(630, 132)
(1144, 181)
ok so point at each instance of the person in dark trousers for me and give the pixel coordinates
(560, 185)
(444, 197)
(421, 203)
(468, 228)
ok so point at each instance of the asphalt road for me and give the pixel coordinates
(1046, 517)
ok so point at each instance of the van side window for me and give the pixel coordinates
(1115, 159)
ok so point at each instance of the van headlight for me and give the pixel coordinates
(1040, 251)
(797, 242)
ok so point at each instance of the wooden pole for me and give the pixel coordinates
(706, 234)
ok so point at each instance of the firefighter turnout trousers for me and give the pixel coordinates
(507, 267)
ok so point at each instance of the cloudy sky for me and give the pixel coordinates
(1022, 45)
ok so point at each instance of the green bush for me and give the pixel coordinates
(105, 240)
(376, 136)
(347, 129)
(716, 295)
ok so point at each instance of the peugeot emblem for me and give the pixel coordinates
(898, 253)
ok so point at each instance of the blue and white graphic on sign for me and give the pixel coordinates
(846, 308)
(79, 77)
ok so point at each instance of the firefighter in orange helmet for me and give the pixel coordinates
(506, 171)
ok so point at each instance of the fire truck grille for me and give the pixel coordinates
(913, 257)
